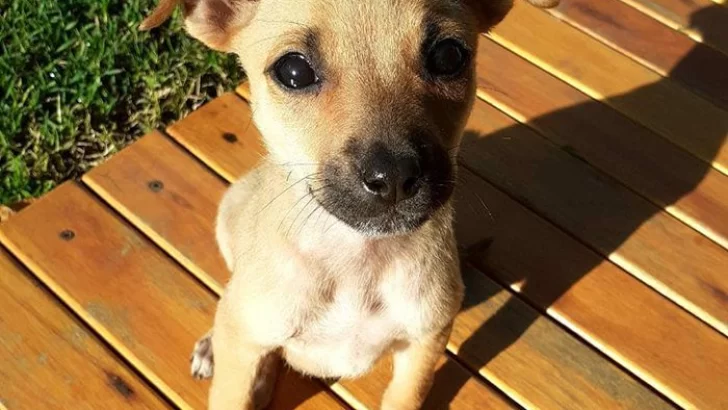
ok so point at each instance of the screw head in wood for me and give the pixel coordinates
(156, 185)
(67, 235)
(230, 137)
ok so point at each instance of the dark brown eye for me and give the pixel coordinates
(295, 72)
(447, 58)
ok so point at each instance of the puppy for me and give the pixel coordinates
(341, 241)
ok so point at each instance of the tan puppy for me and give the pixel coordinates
(341, 242)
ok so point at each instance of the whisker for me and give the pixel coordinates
(327, 204)
(484, 205)
(307, 194)
(323, 211)
(298, 164)
(321, 188)
(305, 221)
(284, 191)
(319, 204)
(298, 215)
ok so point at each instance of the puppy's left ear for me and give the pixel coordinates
(491, 12)
(214, 22)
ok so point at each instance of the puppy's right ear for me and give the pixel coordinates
(214, 22)
(491, 12)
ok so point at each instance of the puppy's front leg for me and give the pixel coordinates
(414, 368)
(238, 366)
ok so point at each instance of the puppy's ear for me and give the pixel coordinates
(214, 22)
(491, 12)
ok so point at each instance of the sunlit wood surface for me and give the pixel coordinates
(594, 167)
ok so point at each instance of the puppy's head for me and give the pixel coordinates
(368, 98)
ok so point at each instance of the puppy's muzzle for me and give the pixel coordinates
(384, 186)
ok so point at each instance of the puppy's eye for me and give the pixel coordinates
(447, 58)
(295, 72)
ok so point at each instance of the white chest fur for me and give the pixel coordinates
(349, 334)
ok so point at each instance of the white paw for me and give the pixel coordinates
(202, 361)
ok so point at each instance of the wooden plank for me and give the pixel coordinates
(697, 66)
(454, 388)
(534, 361)
(665, 254)
(50, 361)
(700, 19)
(121, 182)
(532, 368)
(294, 391)
(203, 137)
(136, 177)
(642, 331)
(684, 118)
(146, 306)
(686, 187)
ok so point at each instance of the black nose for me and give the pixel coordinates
(391, 178)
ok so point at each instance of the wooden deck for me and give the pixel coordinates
(598, 145)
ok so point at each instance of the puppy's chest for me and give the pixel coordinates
(388, 310)
(372, 295)
(346, 336)
(358, 304)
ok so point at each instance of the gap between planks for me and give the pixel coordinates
(94, 324)
(58, 355)
(657, 102)
(631, 240)
(665, 51)
(608, 141)
(542, 21)
(680, 15)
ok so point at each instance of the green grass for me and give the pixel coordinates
(78, 82)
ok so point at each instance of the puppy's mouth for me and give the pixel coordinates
(372, 219)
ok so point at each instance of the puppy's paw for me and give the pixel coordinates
(202, 361)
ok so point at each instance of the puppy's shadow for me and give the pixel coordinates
(614, 223)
